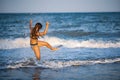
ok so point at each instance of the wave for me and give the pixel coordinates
(14, 43)
(55, 41)
(59, 64)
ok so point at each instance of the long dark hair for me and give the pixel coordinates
(35, 30)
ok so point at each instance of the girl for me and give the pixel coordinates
(34, 42)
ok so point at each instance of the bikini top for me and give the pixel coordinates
(34, 36)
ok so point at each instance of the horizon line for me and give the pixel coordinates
(64, 12)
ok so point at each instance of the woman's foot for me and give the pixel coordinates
(54, 49)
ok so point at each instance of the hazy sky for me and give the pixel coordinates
(59, 6)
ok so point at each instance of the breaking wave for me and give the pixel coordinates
(54, 41)
(60, 64)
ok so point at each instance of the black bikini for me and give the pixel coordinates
(34, 37)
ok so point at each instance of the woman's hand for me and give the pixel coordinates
(30, 22)
(47, 24)
(45, 31)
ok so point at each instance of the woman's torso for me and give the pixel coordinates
(33, 39)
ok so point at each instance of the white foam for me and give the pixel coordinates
(54, 41)
(85, 44)
(62, 64)
(14, 43)
(22, 63)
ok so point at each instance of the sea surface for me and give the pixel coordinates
(89, 47)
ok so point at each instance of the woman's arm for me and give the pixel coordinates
(30, 25)
(45, 31)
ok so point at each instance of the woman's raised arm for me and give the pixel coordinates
(30, 25)
(45, 31)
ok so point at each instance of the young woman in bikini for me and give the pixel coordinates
(34, 42)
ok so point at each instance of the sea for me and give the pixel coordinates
(89, 46)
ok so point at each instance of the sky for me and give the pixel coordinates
(41, 6)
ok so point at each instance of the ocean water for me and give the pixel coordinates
(88, 42)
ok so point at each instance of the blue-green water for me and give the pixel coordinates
(85, 40)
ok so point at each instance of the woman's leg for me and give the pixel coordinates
(36, 50)
(42, 43)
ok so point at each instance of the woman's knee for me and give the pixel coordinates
(46, 44)
(42, 43)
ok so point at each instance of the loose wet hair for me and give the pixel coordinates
(35, 30)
